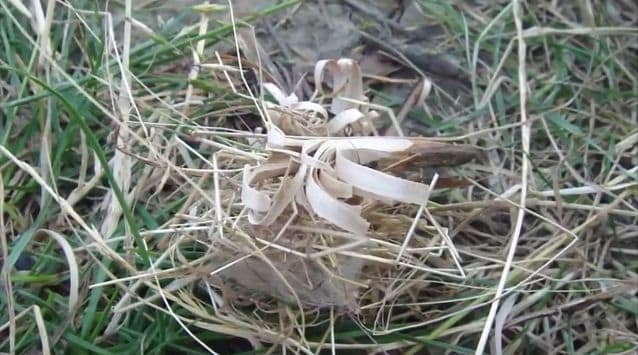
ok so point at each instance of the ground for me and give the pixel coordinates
(185, 177)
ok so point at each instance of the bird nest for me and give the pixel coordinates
(310, 210)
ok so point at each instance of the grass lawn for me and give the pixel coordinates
(124, 138)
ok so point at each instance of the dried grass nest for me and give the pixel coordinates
(317, 212)
(321, 210)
